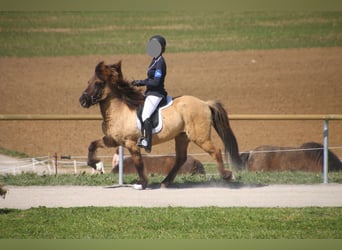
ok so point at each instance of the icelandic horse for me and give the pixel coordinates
(188, 119)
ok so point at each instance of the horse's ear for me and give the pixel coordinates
(101, 71)
(119, 63)
(117, 67)
(116, 71)
(99, 67)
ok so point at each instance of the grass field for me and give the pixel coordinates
(171, 223)
(26, 34)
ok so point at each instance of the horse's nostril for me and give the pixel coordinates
(83, 101)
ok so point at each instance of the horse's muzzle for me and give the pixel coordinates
(85, 100)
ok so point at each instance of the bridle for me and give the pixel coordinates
(96, 98)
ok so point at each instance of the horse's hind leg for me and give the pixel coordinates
(216, 154)
(182, 143)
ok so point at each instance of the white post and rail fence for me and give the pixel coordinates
(258, 117)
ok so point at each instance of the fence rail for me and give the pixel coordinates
(18, 117)
(323, 117)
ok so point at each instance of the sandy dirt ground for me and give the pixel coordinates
(288, 81)
(184, 195)
(320, 195)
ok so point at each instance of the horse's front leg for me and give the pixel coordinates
(139, 165)
(93, 161)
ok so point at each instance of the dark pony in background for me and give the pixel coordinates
(162, 165)
(308, 157)
(188, 119)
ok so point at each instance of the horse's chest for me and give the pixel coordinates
(116, 129)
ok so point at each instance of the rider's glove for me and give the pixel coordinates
(138, 83)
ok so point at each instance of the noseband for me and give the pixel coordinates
(93, 99)
(96, 98)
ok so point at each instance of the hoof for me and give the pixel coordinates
(99, 167)
(3, 191)
(93, 163)
(228, 175)
(164, 185)
(138, 187)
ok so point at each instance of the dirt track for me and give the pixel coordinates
(321, 195)
(186, 195)
(285, 81)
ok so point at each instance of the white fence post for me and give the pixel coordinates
(75, 166)
(325, 153)
(121, 153)
(33, 164)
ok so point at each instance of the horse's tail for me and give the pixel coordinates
(223, 129)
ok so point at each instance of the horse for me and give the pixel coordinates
(308, 157)
(162, 165)
(188, 119)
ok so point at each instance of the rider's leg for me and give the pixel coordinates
(150, 105)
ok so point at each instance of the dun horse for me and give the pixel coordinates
(188, 119)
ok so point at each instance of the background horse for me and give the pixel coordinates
(162, 165)
(188, 119)
(308, 157)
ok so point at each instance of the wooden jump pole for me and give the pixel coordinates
(288, 117)
(47, 117)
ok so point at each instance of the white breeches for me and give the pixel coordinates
(150, 105)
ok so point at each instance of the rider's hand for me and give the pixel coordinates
(137, 83)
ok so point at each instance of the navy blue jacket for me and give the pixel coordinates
(156, 73)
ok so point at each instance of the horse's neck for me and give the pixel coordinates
(113, 110)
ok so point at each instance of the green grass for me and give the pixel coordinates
(212, 179)
(171, 223)
(26, 34)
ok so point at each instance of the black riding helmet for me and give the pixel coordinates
(161, 40)
(156, 46)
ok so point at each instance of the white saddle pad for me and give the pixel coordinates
(157, 129)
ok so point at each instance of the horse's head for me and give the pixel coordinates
(99, 86)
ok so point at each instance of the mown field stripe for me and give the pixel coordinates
(171, 223)
(26, 34)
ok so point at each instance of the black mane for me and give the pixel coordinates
(129, 94)
(120, 87)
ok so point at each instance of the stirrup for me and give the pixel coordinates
(141, 141)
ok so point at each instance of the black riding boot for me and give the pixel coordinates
(145, 141)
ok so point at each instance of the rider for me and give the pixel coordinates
(155, 91)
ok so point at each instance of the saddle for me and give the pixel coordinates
(157, 121)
